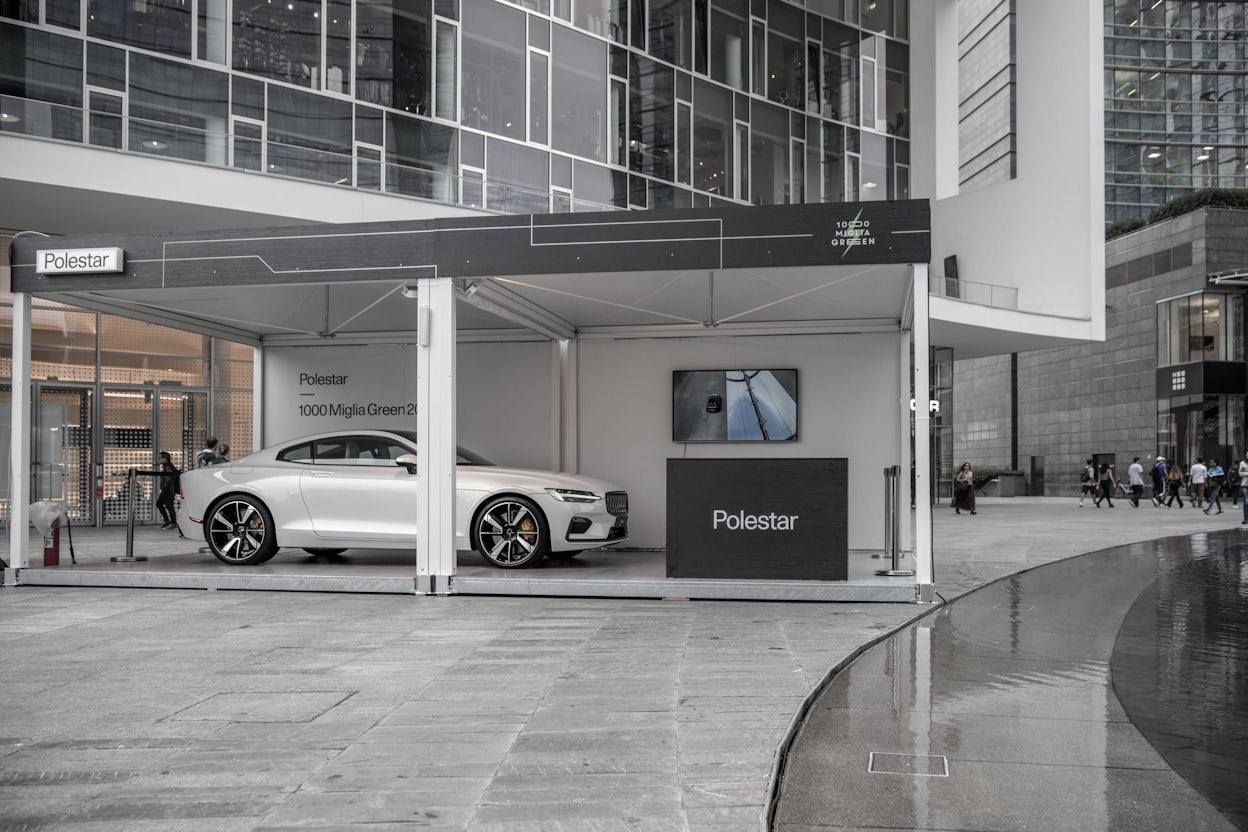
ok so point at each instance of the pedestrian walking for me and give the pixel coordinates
(1135, 479)
(170, 484)
(1106, 481)
(1174, 485)
(1213, 492)
(1197, 479)
(964, 489)
(208, 456)
(1158, 475)
(1087, 482)
(1243, 485)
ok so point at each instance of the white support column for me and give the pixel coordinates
(19, 439)
(569, 418)
(923, 563)
(435, 428)
(903, 439)
(257, 398)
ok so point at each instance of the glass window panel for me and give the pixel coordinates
(67, 13)
(62, 344)
(41, 66)
(337, 47)
(579, 94)
(309, 135)
(840, 73)
(178, 110)
(851, 177)
(518, 179)
(393, 42)
(874, 166)
(741, 181)
(671, 30)
(712, 137)
(598, 187)
(420, 157)
(213, 28)
(560, 171)
(472, 149)
(797, 173)
(494, 57)
(446, 8)
(106, 126)
(106, 67)
(684, 143)
(637, 197)
(814, 169)
(472, 183)
(769, 158)
(617, 129)
(248, 98)
(368, 168)
(637, 23)
(651, 132)
(876, 15)
(280, 40)
(833, 163)
(133, 352)
(369, 125)
(248, 146)
(158, 25)
(758, 59)
(447, 66)
(539, 97)
(701, 26)
(730, 55)
(602, 17)
(539, 33)
(24, 10)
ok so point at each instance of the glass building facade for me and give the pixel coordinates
(1175, 117)
(535, 106)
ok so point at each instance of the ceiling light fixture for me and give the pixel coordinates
(1154, 154)
(869, 185)
(152, 144)
(1202, 157)
(9, 118)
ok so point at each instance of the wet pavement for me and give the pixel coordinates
(1002, 711)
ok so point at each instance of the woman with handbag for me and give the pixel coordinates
(964, 489)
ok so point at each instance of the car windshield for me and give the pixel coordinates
(463, 455)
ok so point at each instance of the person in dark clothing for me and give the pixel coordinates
(1107, 481)
(1158, 473)
(170, 485)
(964, 489)
(1174, 484)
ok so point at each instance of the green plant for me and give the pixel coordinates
(1204, 198)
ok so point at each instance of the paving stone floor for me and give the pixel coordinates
(155, 709)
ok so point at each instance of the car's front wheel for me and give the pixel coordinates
(511, 533)
(240, 532)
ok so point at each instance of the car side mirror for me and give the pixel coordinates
(408, 461)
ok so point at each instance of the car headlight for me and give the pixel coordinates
(568, 495)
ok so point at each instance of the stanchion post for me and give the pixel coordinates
(131, 495)
(892, 523)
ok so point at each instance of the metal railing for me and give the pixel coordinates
(984, 294)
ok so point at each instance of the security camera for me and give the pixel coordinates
(410, 290)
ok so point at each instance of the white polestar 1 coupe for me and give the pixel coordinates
(357, 489)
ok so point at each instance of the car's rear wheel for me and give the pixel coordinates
(511, 533)
(240, 532)
(323, 552)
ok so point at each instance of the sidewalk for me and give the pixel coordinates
(191, 710)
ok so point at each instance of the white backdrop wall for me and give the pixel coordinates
(504, 395)
(849, 405)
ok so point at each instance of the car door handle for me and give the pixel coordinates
(322, 473)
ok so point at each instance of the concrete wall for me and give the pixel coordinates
(1097, 398)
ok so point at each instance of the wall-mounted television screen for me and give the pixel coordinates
(734, 405)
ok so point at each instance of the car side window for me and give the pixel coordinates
(330, 451)
(299, 453)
